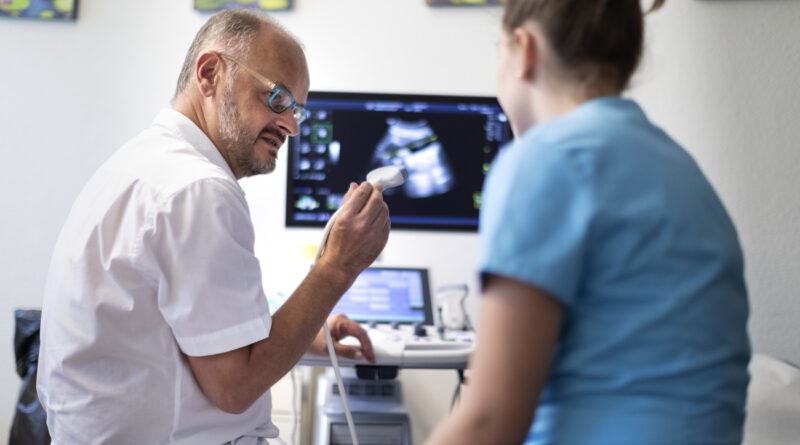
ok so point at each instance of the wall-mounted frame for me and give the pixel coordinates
(264, 5)
(40, 9)
(465, 2)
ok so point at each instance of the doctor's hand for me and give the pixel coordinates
(360, 231)
(342, 327)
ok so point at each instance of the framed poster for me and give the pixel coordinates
(465, 2)
(265, 5)
(40, 9)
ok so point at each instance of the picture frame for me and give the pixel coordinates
(263, 5)
(465, 2)
(57, 10)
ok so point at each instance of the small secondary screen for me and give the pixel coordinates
(388, 295)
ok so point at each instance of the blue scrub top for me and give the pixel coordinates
(609, 215)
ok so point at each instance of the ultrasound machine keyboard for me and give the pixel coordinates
(400, 347)
(394, 306)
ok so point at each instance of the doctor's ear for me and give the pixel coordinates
(208, 73)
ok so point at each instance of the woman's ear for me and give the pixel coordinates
(208, 73)
(527, 54)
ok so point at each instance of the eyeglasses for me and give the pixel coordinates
(280, 99)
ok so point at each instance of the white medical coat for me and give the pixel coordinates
(154, 262)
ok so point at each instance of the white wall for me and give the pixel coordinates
(722, 77)
(719, 75)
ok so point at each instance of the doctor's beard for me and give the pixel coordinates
(240, 145)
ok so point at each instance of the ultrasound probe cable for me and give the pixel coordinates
(389, 176)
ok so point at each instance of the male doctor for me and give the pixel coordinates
(155, 325)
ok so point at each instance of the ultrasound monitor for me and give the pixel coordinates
(446, 144)
(386, 295)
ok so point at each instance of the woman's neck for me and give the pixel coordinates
(549, 104)
(552, 100)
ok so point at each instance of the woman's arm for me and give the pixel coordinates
(519, 329)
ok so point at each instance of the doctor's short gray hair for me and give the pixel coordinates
(230, 31)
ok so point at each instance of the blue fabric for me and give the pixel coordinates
(605, 212)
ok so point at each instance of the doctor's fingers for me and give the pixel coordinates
(350, 352)
(346, 327)
(375, 209)
(380, 215)
(355, 199)
(350, 190)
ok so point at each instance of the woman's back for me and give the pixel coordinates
(615, 220)
(615, 309)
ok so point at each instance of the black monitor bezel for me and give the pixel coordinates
(344, 95)
(426, 296)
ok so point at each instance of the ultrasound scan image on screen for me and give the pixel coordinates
(386, 295)
(446, 144)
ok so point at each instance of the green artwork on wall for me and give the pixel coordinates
(266, 5)
(40, 9)
(465, 2)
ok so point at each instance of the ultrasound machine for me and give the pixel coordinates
(394, 304)
(445, 144)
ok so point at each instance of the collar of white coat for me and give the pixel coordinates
(183, 127)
